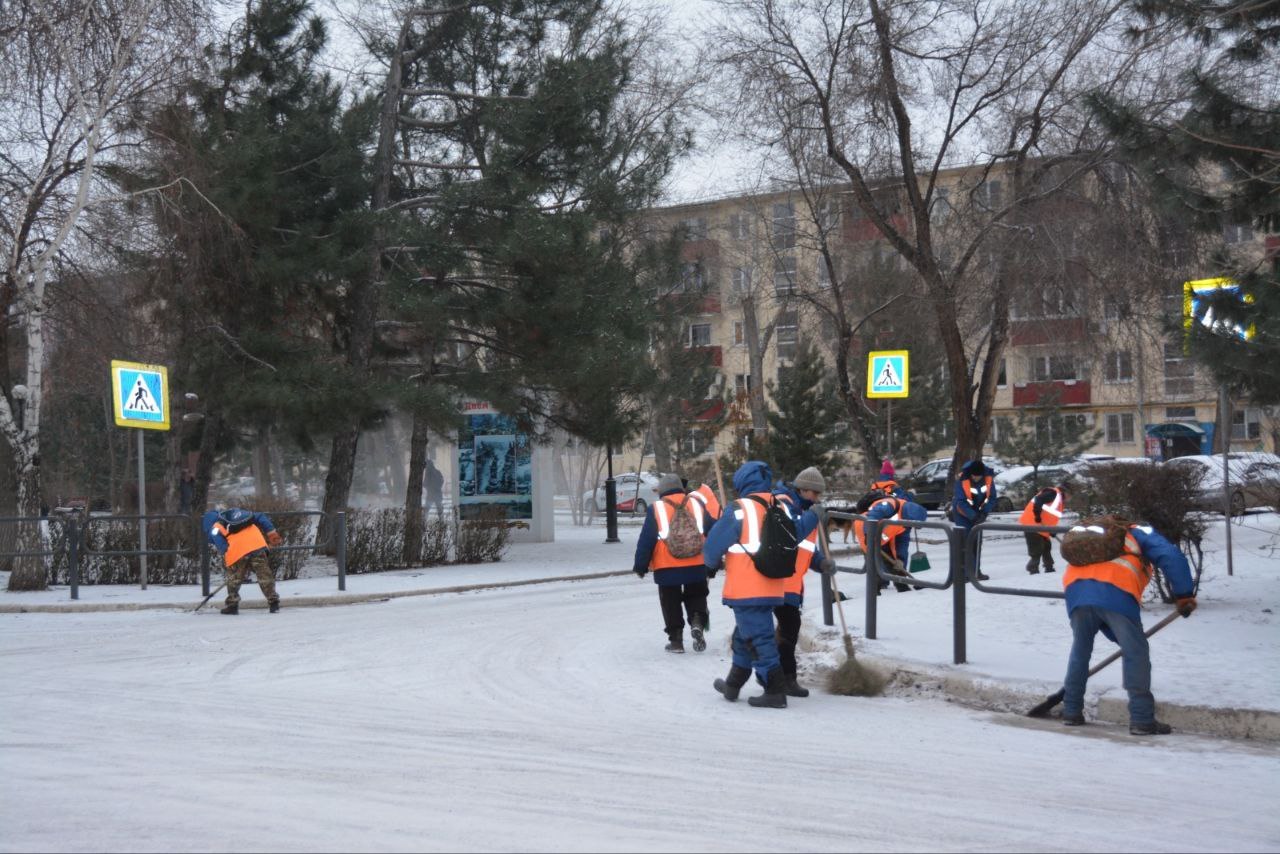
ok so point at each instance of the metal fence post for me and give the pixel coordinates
(872, 530)
(204, 566)
(340, 531)
(955, 542)
(73, 556)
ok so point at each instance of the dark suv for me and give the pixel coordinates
(929, 484)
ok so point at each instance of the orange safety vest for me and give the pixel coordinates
(968, 489)
(707, 498)
(741, 578)
(1051, 515)
(888, 532)
(662, 514)
(245, 541)
(1130, 572)
(805, 551)
(885, 486)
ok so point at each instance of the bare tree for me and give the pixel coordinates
(73, 72)
(896, 92)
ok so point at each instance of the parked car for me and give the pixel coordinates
(1255, 480)
(928, 483)
(636, 492)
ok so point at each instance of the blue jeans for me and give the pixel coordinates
(754, 644)
(1086, 622)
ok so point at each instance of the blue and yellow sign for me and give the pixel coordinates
(887, 373)
(1195, 309)
(140, 395)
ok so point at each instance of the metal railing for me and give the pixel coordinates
(74, 542)
(964, 549)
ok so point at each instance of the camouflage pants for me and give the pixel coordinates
(260, 565)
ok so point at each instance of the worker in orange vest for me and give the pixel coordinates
(244, 539)
(1046, 508)
(682, 581)
(1106, 597)
(751, 594)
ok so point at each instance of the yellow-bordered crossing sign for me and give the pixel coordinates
(888, 373)
(140, 395)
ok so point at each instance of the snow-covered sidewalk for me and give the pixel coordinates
(1220, 664)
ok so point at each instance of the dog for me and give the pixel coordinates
(844, 525)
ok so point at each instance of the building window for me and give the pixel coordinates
(824, 274)
(1180, 413)
(1120, 428)
(700, 335)
(1237, 232)
(1047, 368)
(693, 279)
(988, 195)
(784, 276)
(696, 441)
(1179, 372)
(694, 228)
(1049, 427)
(739, 333)
(1002, 377)
(829, 217)
(788, 335)
(739, 227)
(1119, 367)
(941, 210)
(741, 280)
(742, 383)
(1245, 424)
(784, 226)
(1111, 309)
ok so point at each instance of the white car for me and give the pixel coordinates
(1255, 480)
(636, 493)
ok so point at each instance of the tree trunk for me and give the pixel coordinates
(210, 428)
(660, 439)
(29, 573)
(413, 516)
(849, 396)
(755, 360)
(261, 465)
(365, 294)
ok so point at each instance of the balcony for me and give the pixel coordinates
(1052, 393)
(1045, 330)
(717, 354)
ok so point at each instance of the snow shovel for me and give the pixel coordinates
(210, 596)
(1042, 710)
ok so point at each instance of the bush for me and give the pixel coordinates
(375, 540)
(99, 537)
(483, 538)
(1163, 497)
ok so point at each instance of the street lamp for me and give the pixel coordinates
(610, 499)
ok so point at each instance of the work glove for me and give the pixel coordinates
(640, 573)
(1186, 605)
(711, 572)
(274, 539)
(828, 566)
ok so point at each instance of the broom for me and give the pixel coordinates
(852, 678)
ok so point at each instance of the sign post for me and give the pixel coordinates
(140, 398)
(1193, 311)
(888, 376)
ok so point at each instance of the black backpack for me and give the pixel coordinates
(776, 557)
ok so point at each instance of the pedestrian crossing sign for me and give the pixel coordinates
(887, 373)
(140, 395)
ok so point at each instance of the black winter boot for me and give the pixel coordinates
(1048, 567)
(775, 692)
(1153, 728)
(795, 689)
(732, 684)
(1033, 566)
(697, 628)
(676, 645)
(273, 606)
(231, 609)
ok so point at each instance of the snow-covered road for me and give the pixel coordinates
(546, 718)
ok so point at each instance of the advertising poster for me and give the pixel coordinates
(495, 464)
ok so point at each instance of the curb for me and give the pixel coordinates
(988, 694)
(296, 601)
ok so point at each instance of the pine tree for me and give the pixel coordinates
(1045, 434)
(1216, 164)
(805, 425)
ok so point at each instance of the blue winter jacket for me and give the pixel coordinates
(219, 541)
(671, 576)
(752, 476)
(1167, 557)
(963, 513)
(806, 521)
(885, 509)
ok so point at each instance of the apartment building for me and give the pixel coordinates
(1094, 354)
